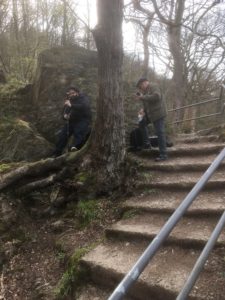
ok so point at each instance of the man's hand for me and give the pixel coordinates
(66, 116)
(67, 103)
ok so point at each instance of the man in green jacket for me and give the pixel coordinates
(155, 110)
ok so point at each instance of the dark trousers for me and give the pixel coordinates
(79, 130)
(159, 126)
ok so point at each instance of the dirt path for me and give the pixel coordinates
(38, 257)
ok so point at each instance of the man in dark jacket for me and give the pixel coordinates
(155, 111)
(77, 113)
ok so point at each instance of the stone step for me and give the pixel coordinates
(189, 139)
(185, 150)
(162, 279)
(179, 181)
(207, 203)
(90, 292)
(189, 232)
(178, 164)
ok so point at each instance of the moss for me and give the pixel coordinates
(87, 212)
(85, 177)
(74, 276)
(82, 177)
(10, 88)
(5, 167)
(131, 213)
(15, 133)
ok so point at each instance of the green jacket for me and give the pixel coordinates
(154, 105)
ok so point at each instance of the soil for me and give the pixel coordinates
(35, 265)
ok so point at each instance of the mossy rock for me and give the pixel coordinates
(19, 142)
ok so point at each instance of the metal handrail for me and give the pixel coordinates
(201, 117)
(154, 246)
(201, 103)
(194, 104)
(201, 260)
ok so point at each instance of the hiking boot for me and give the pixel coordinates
(161, 158)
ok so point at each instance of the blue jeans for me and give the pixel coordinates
(159, 126)
(79, 130)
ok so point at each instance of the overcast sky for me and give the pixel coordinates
(128, 29)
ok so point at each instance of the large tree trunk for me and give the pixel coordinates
(108, 140)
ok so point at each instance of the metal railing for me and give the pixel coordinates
(202, 260)
(154, 246)
(220, 111)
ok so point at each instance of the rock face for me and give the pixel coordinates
(58, 69)
(61, 67)
(40, 104)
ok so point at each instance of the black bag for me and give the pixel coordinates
(136, 141)
(154, 142)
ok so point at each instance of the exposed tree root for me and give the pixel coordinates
(38, 170)
(29, 187)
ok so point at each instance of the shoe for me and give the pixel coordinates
(73, 149)
(161, 158)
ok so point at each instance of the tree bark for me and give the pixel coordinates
(30, 170)
(108, 139)
(37, 170)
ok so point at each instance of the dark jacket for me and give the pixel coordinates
(154, 104)
(80, 109)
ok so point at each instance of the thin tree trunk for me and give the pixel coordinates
(174, 40)
(178, 71)
(87, 28)
(15, 20)
(145, 32)
(63, 39)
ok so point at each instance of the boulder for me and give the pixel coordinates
(19, 141)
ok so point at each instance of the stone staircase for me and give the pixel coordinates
(159, 191)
